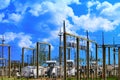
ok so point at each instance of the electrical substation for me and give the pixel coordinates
(76, 61)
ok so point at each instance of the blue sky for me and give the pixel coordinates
(24, 22)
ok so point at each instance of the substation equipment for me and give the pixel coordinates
(33, 53)
(116, 48)
(37, 54)
(9, 58)
(78, 38)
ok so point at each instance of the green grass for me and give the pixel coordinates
(13, 78)
(72, 78)
(110, 78)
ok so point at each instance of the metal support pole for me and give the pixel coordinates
(96, 51)
(108, 55)
(68, 53)
(114, 62)
(5, 67)
(87, 57)
(64, 40)
(37, 55)
(27, 59)
(119, 63)
(9, 61)
(49, 54)
(60, 55)
(2, 50)
(60, 59)
(87, 60)
(60, 48)
(2, 55)
(104, 62)
(22, 57)
(33, 62)
(37, 62)
(108, 59)
(77, 40)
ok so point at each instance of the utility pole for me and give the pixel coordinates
(118, 63)
(96, 51)
(60, 47)
(64, 39)
(68, 53)
(9, 61)
(108, 55)
(109, 59)
(104, 57)
(2, 54)
(37, 60)
(49, 57)
(87, 56)
(9, 58)
(78, 50)
(3, 47)
(33, 61)
(22, 57)
(114, 62)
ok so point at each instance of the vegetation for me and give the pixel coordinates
(109, 78)
(14, 78)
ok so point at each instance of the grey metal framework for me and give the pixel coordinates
(9, 58)
(33, 49)
(37, 53)
(118, 63)
(114, 46)
(77, 40)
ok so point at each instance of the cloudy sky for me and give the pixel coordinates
(24, 22)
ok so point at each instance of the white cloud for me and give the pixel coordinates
(53, 36)
(111, 11)
(91, 4)
(9, 36)
(107, 20)
(12, 18)
(88, 22)
(20, 8)
(59, 10)
(4, 4)
(36, 10)
(1, 17)
(103, 5)
(67, 2)
(23, 40)
(93, 23)
(15, 17)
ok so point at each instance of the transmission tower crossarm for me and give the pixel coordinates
(28, 48)
(81, 38)
(44, 43)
